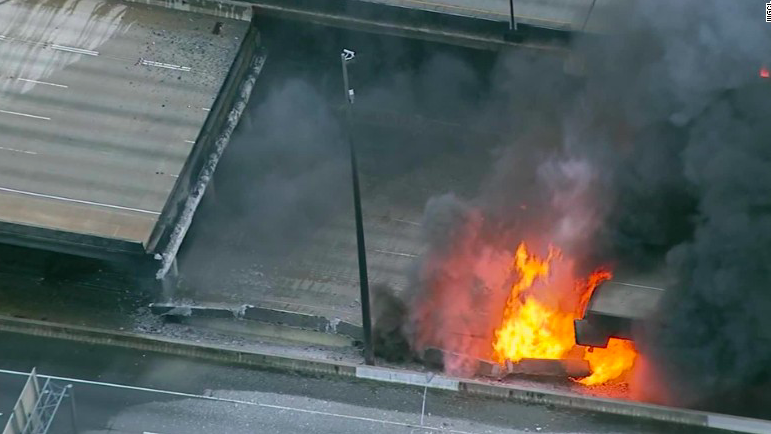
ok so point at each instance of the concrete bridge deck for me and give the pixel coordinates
(485, 24)
(101, 105)
(569, 15)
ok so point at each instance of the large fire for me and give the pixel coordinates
(538, 318)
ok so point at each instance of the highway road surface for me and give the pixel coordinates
(126, 391)
(100, 104)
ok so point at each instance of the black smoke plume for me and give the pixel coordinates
(657, 159)
(692, 190)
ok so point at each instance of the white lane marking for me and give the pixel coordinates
(388, 252)
(164, 65)
(189, 141)
(17, 150)
(406, 221)
(42, 82)
(74, 50)
(84, 202)
(242, 402)
(25, 115)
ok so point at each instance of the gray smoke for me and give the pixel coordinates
(280, 174)
(659, 157)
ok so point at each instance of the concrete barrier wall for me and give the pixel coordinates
(389, 375)
(172, 346)
(231, 9)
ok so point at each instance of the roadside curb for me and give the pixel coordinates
(472, 387)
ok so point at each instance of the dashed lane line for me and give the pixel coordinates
(83, 202)
(26, 115)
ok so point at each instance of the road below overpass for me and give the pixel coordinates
(127, 391)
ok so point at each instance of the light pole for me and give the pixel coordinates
(512, 21)
(588, 14)
(369, 356)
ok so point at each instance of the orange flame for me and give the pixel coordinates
(586, 289)
(608, 363)
(532, 328)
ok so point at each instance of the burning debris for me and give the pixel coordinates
(541, 326)
(533, 302)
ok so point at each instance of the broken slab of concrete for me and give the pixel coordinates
(260, 314)
(434, 358)
(574, 368)
(486, 368)
(169, 309)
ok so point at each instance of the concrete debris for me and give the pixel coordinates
(574, 368)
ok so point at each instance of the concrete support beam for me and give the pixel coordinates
(232, 9)
(413, 23)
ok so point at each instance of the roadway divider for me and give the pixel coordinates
(231, 9)
(431, 380)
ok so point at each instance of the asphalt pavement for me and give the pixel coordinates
(127, 391)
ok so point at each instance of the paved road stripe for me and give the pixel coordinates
(388, 252)
(17, 150)
(26, 115)
(42, 82)
(74, 50)
(84, 202)
(164, 65)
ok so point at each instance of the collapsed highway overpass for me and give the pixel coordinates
(112, 113)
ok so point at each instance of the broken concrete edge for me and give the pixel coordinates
(265, 315)
(235, 10)
(533, 395)
(223, 116)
